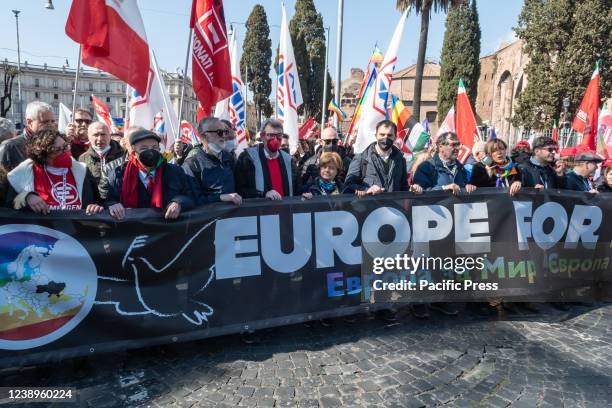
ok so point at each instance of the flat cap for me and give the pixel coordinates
(143, 134)
(587, 155)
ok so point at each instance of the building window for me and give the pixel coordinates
(55, 83)
(72, 86)
(37, 95)
(431, 116)
(36, 82)
(55, 96)
(91, 87)
(107, 99)
(108, 87)
(123, 100)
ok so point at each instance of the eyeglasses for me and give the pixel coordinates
(219, 132)
(552, 149)
(83, 121)
(59, 149)
(330, 141)
(454, 145)
(276, 135)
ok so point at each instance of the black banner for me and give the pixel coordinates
(72, 284)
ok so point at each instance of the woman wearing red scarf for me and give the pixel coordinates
(146, 180)
(50, 179)
(497, 169)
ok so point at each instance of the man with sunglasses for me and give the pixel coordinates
(210, 167)
(77, 132)
(264, 170)
(539, 170)
(327, 143)
(580, 178)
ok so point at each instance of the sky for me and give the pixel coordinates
(366, 23)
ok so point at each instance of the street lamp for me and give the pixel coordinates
(49, 5)
(16, 13)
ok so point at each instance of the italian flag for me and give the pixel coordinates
(465, 123)
(586, 121)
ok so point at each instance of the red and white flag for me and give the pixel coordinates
(467, 131)
(586, 120)
(211, 75)
(112, 37)
(188, 134)
(102, 112)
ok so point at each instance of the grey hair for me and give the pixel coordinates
(273, 123)
(7, 129)
(205, 124)
(35, 108)
(98, 123)
(445, 137)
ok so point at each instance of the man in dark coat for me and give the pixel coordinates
(380, 168)
(539, 171)
(580, 178)
(146, 180)
(211, 167)
(101, 150)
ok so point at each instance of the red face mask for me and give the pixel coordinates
(273, 144)
(63, 161)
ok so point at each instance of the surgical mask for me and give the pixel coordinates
(101, 151)
(149, 157)
(385, 144)
(487, 161)
(216, 148)
(230, 145)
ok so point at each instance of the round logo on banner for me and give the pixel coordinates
(48, 285)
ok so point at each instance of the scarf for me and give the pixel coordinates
(502, 172)
(327, 187)
(129, 190)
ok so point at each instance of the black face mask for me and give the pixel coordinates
(285, 149)
(385, 143)
(149, 157)
(328, 148)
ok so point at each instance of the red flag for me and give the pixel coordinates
(555, 132)
(211, 70)
(113, 39)
(586, 120)
(102, 112)
(465, 123)
(202, 112)
(306, 128)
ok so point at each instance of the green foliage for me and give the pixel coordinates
(563, 40)
(256, 59)
(460, 55)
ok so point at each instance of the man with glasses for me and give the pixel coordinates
(146, 180)
(327, 143)
(211, 167)
(580, 177)
(77, 132)
(444, 171)
(539, 170)
(231, 142)
(265, 170)
(38, 115)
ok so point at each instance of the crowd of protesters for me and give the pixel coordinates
(88, 168)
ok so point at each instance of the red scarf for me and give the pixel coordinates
(129, 191)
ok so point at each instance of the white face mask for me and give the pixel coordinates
(230, 145)
(101, 152)
(216, 148)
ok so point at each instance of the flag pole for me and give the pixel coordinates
(76, 81)
(161, 88)
(339, 57)
(180, 112)
(323, 106)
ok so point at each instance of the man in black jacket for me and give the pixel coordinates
(380, 168)
(38, 115)
(579, 179)
(146, 181)
(211, 167)
(266, 171)
(539, 170)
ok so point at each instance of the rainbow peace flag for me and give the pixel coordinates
(333, 107)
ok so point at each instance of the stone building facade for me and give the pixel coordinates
(55, 84)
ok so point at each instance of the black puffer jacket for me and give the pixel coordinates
(13, 152)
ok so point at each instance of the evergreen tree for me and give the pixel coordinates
(460, 55)
(308, 37)
(545, 26)
(256, 60)
(590, 41)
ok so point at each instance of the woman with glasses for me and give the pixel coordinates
(497, 169)
(50, 179)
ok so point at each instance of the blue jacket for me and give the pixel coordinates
(210, 176)
(433, 174)
(576, 182)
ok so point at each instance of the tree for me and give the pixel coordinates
(6, 99)
(423, 7)
(590, 41)
(460, 55)
(256, 60)
(546, 27)
(308, 38)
